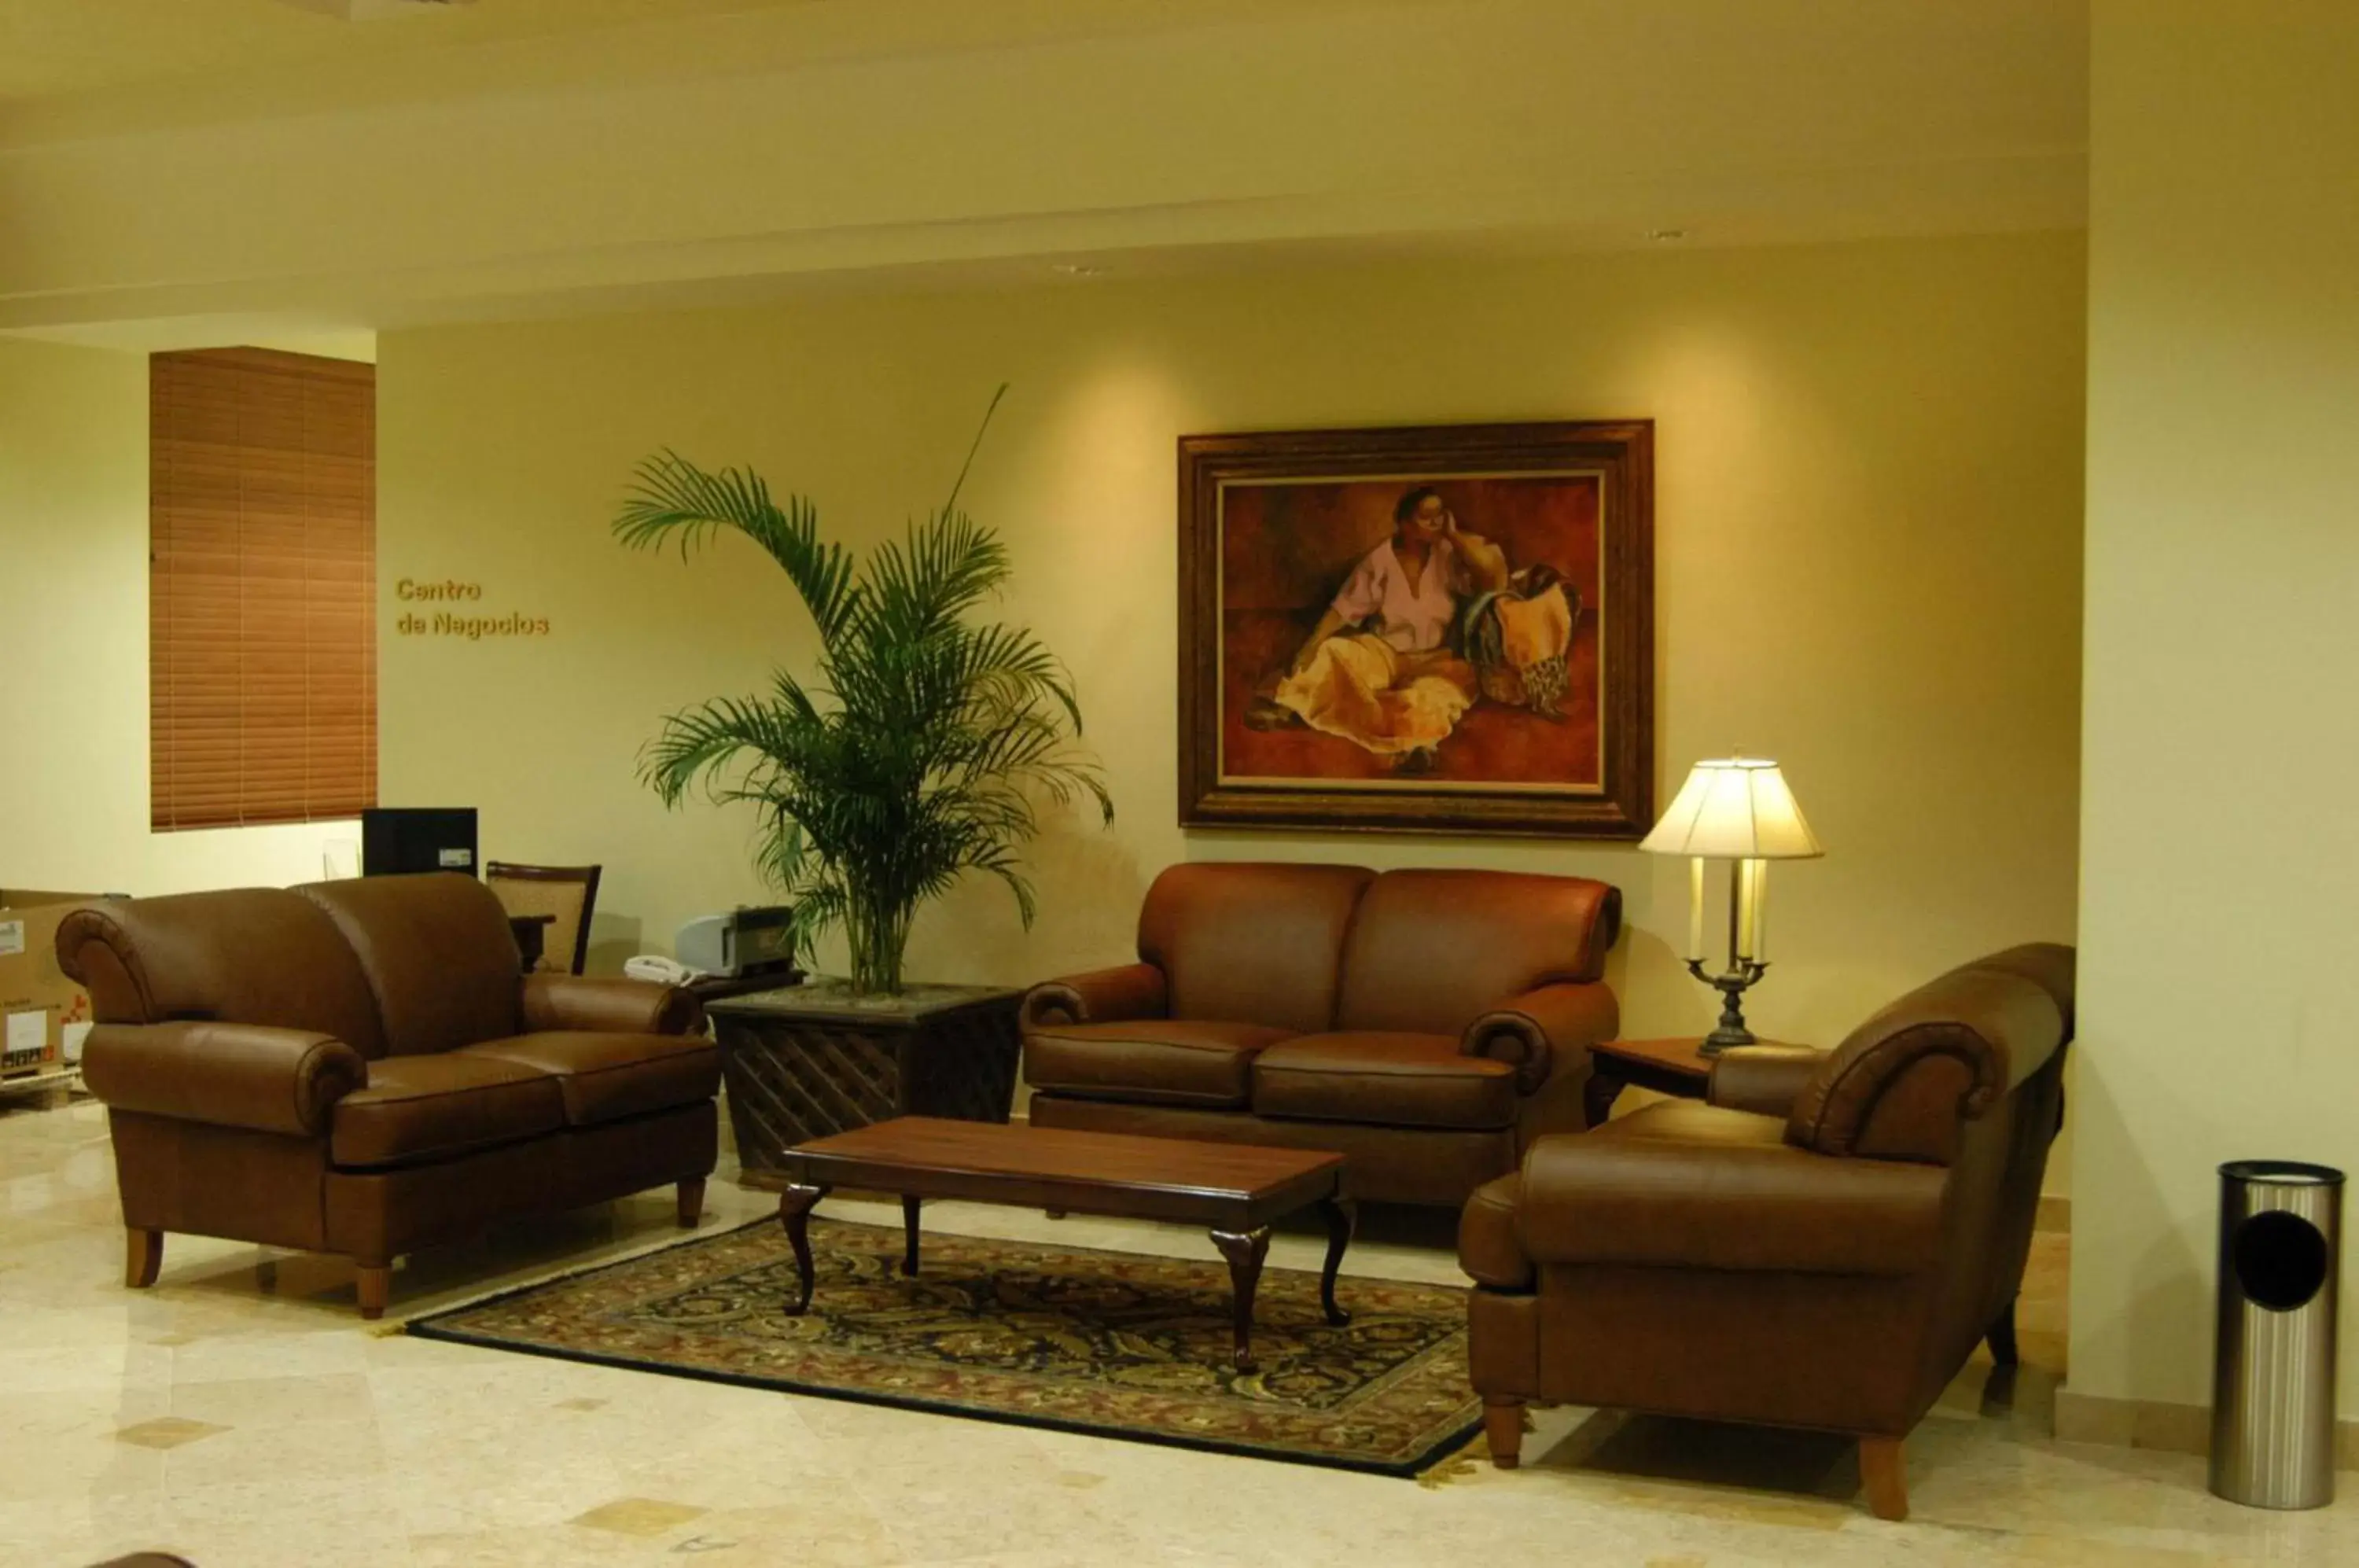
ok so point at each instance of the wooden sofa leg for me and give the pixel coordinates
(2001, 1334)
(143, 1256)
(1503, 1427)
(375, 1286)
(1886, 1477)
(692, 1201)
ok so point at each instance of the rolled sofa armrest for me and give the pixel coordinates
(1661, 1203)
(1488, 1249)
(1764, 1079)
(1907, 1093)
(240, 1075)
(1530, 1032)
(602, 1005)
(1100, 996)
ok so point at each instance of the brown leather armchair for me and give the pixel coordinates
(361, 1067)
(1427, 1024)
(1820, 1246)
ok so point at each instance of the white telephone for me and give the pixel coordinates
(656, 967)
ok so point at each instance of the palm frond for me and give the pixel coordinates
(671, 498)
(951, 504)
(923, 748)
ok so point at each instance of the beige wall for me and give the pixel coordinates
(1869, 515)
(2222, 576)
(74, 611)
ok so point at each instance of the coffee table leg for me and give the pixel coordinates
(1340, 1212)
(909, 1229)
(1244, 1250)
(794, 1213)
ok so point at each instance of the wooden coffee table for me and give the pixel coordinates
(1234, 1189)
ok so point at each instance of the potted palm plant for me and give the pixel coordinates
(918, 753)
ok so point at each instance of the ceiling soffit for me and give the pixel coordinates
(1479, 124)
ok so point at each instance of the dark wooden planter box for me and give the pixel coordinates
(816, 1059)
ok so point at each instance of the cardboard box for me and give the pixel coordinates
(43, 1013)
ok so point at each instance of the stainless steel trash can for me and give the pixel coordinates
(2272, 1371)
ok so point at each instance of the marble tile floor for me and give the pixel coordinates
(241, 1413)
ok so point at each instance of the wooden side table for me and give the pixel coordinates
(1675, 1067)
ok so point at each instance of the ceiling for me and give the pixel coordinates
(50, 47)
(169, 163)
(71, 68)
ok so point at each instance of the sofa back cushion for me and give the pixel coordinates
(438, 954)
(1906, 1082)
(1432, 951)
(250, 955)
(1251, 942)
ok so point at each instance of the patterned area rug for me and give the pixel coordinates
(1114, 1344)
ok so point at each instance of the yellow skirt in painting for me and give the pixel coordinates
(1366, 690)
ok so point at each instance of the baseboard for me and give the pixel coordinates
(2054, 1215)
(2162, 1425)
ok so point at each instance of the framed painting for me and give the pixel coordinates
(1439, 629)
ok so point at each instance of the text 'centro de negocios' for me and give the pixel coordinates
(457, 622)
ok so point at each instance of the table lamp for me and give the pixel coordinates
(1738, 810)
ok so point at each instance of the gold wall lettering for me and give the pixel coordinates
(442, 622)
(452, 588)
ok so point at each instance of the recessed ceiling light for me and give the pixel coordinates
(375, 10)
(1667, 236)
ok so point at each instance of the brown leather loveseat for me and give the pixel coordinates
(361, 1067)
(1822, 1246)
(1427, 1024)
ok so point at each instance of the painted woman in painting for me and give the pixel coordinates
(1378, 669)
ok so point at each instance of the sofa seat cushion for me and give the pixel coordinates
(607, 1077)
(418, 1109)
(1690, 1121)
(1152, 1061)
(1391, 1079)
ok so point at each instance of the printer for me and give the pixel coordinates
(747, 941)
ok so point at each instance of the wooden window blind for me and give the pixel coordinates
(262, 588)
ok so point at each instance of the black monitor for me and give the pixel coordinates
(400, 839)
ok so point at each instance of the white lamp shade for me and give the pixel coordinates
(1735, 808)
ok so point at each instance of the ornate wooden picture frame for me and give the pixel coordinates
(1442, 629)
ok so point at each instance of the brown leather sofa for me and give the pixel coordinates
(361, 1067)
(1821, 1246)
(1427, 1024)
